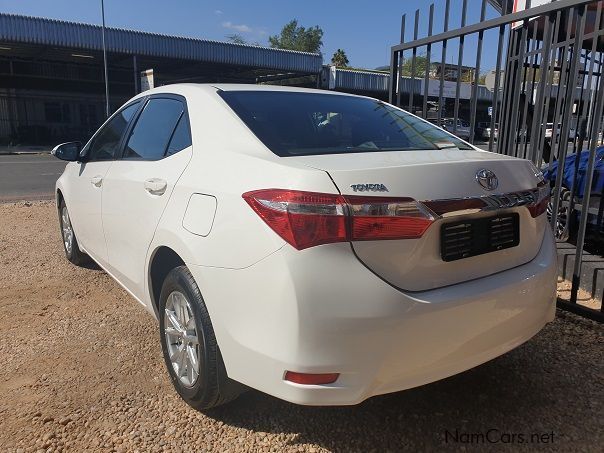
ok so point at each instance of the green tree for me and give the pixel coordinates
(236, 39)
(421, 63)
(339, 59)
(295, 37)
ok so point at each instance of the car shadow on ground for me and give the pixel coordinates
(523, 392)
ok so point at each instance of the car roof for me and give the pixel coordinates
(184, 88)
(254, 87)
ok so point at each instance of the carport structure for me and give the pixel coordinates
(52, 79)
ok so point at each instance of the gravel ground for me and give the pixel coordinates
(81, 369)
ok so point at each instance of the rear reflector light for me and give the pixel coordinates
(306, 219)
(311, 379)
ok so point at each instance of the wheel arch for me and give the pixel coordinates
(162, 261)
(59, 197)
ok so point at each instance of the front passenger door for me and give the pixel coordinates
(138, 187)
(84, 201)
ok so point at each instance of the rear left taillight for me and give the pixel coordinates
(306, 219)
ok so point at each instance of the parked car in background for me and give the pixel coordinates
(549, 128)
(483, 131)
(567, 222)
(463, 128)
(317, 246)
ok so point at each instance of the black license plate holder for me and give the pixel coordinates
(472, 237)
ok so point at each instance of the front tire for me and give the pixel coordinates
(70, 242)
(189, 345)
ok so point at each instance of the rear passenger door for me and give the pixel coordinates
(138, 186)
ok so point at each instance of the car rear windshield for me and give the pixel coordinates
(302, 124)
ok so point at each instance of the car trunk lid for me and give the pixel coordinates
(444, 180)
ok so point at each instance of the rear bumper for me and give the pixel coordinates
(321, 311)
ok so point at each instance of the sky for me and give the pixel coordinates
(365, 30)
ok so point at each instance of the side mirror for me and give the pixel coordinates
(69, 151)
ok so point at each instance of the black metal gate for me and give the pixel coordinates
(545, 104)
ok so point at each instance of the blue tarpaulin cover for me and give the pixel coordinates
(597, 185)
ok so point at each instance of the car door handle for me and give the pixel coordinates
(156, 186)
(96, 181)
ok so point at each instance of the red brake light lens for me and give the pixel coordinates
(387, 218)
(306, 219)
(539, 206)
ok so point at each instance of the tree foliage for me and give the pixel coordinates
(236, 38)
(339, 59)
(421, 63)
(295, 37)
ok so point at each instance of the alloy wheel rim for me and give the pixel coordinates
(66, 229)
(180, 331)
(560, 230)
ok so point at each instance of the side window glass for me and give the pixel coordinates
(181, 138)
(151, 133)
(105, 145)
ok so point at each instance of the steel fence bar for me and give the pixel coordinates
(474, 99)
(518, 71)
(536, 151)
(580, 310)
(428, 56)
(565, 54)
(464, 10)
(528, 97)
(578, 141)
(400, 63)
(443, 63)
(550, 80)
(394, 76)
(413, 59)
(495, 101)
(505, 105)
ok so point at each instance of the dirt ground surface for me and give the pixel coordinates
(81, 370)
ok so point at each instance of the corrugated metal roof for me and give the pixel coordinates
(375, 81)
(362, 80)
(51, 32)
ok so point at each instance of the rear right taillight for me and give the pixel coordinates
(387, 218)
(306, 219)
(542, 198)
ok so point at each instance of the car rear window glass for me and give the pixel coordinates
(151, 133)
(298, 124)
(181, 138)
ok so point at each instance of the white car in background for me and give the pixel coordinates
(549, 128)
(320, 247)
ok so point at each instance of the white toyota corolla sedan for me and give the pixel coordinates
(317, 246)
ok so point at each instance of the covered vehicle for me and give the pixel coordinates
(568, 221)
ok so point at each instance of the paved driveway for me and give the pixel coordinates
(28, 176)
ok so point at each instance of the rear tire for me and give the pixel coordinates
(70, 243)
(564, 218)
(189, 345)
